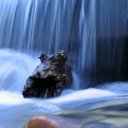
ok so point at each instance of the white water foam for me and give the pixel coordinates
(14, 69)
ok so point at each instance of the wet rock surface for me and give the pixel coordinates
(42, 122)
(50, 78)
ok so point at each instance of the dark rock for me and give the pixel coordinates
(50, 78)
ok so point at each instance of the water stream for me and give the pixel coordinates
(93, 33)
(15, 111)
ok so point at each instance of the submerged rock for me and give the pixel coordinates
(42, 122)
(50, 77)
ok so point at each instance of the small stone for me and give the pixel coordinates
(42, 122)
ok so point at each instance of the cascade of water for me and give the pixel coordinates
(112, 40)
(36, 25)
(90, 31)
(88, 38)
(93, 32)
(49, 26)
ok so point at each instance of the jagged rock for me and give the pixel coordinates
(50, 77)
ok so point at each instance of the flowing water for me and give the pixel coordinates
(71, 109)
(93, 33)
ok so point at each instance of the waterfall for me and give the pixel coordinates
(49, 26)
(94, 34)
(91, 32)
(112, 40)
